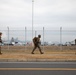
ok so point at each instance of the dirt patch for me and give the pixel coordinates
(50, 52)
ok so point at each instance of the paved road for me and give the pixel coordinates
(38, 68)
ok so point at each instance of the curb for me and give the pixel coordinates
(37, 60)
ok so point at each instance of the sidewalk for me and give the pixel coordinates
(46, 57)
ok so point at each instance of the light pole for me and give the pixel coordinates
(32, 16)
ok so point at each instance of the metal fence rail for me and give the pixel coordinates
(53, 39)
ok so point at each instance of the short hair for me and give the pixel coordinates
(39, 36)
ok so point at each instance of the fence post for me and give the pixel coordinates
(0, 41)
(25, 37)
(60, 38)
(43, 38)
(8, 37)
(35, 33)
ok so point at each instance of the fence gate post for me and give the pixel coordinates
(8, 37)
(43, 38)
(60, 38)
(25, 38)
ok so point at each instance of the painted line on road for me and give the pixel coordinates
(58, 69)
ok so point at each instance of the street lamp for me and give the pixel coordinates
(32, 16)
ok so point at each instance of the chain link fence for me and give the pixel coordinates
(50, 39)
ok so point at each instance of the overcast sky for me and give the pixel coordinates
(47, 13)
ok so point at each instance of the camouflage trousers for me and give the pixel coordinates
(36, 46)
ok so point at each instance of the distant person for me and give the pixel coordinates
(37, 43)
(0, 42)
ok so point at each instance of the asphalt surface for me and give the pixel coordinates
(37, 68)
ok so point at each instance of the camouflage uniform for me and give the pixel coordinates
(37, 42)
(0, 42)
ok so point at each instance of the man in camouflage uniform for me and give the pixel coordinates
(37, 42)
(0, 42)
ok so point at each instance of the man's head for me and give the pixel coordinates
(0, 34)
(39, 36)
